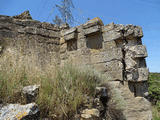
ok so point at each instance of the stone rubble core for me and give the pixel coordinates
(115, 50)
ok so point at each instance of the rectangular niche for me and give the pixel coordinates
(72, 45)
(94, 41)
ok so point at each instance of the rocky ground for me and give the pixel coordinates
(93, 109)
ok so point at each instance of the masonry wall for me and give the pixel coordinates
(29, 40)
(115, 50)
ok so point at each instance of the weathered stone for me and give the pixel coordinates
(70, 36)
(63, 48)
(133, 31)
(138, 75)
(132, 75)
(134, 41)
(143, 74)
(19, 112)
(137, 51)
(130, 63)
(109, 45)
(24, 15)
(69, 31)
(116, 72)
(107, 55)
(115, 50)
(89, 113)
(92, 30)
(93, 22)
(54, 34)
(113, 32)
(49, 26)
(81, 43)
(30, 93)
(101, 91)
(112, 35)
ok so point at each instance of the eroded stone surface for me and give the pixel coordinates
(19, 112)
(30, 93)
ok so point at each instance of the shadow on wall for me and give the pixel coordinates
(94, 41)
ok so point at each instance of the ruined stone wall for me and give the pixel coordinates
(115, 50)
(24, 38)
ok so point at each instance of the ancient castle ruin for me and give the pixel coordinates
(114, 50)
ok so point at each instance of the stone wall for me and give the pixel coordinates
(27, 38)
(115, 50)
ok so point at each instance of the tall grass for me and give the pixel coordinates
(155, 112)
(65, 92)
(62, 89)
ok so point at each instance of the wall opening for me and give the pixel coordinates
(94, 41)
(72, 45)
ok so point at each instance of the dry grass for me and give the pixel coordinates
(62, 91)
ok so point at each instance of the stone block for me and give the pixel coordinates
(70, 34)
(138, 51)
(81, 43)
(69, 31)
(109, 45)
(130, 63)
(42, 32)
(134, 41)
(132, 31)
(54, 34)
(63, 48)
(93, 22)
(132, 75)
(19, 112)
(112, 35)
(137, 75)
(112, 70)
(92, 30)
(30, 93)
(143, 74)
(107, 55)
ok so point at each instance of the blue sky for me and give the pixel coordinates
(145, 13)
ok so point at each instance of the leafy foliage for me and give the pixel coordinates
(154, 87)
(154, 92)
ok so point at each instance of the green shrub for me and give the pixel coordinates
(154, 92)
(154, 86)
